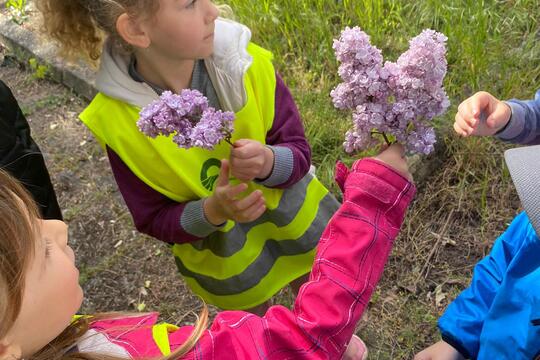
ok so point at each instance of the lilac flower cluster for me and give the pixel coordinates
(188, 117)
(399, 98)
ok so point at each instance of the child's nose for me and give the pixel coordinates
(57, 230)
(212, 12)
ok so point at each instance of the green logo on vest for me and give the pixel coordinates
(210, 173)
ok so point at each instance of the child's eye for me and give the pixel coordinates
(48, 248)
(191, 4)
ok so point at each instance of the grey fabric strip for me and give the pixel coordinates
(283, 166)
(200, 80)
(524, 166)
(515, 125)
(132, 71)
(272, 250)
(194, 222)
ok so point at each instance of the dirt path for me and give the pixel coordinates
(120, 268)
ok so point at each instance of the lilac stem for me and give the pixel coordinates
(386, 139)
(388, 142)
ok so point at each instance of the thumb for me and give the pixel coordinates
(499, 117)
(481, 102)
(395, 150)
(223, 178)
(241, 142)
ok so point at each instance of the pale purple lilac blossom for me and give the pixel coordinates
(398, 98)
(189, 118)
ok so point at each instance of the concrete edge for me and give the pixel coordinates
(24, 45)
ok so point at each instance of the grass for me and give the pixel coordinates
(469, 199)
(492, 46)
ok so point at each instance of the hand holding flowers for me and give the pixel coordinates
(394, 156)
(251, 160)
(193, 123)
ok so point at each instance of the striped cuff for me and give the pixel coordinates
(194, 222)
(515, 125)
(283, 166)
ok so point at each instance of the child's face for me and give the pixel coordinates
(52, 293)
(183, 29)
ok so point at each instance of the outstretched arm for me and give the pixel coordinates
(350, 259)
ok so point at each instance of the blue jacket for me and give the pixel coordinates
(498, 315)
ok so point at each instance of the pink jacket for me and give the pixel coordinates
(351, 256)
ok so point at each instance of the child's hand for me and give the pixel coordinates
(251, 160)
(394, 156)
(223, 204)
(468, 121)
(439, 351)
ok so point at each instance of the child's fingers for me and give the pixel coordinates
(233, 191)
(249, 200)
(246, 150)
(459, 130)
(467, 114)
(422, 356)
(390, 152)
(499, 116)
(223, 178)
(241, 142)
(243, 174)
(396, 150)
(479, 102)
(246, 174)
(394, 156)
(254, 211)
(463, 126)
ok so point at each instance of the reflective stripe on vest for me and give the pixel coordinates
(160, 334)
(242, 265)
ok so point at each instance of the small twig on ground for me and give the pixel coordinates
(427, 264)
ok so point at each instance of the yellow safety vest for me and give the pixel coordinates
(160, 334)
(242, 265)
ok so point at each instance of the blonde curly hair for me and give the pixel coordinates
(81, 26)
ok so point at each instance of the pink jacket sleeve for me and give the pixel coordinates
(351, 256)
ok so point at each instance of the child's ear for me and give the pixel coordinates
(8, 352)
(132, 32)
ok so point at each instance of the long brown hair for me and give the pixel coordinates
(18, 230)
(17, 233)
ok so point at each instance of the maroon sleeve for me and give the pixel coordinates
(153, 213)
(351, 256)
(287, 131)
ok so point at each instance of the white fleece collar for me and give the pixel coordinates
(226, 68)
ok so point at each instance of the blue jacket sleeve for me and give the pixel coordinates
(462, 322)
(524, 125)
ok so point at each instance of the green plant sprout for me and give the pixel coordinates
(18, 10)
